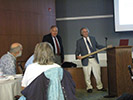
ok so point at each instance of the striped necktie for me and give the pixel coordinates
(91, 49)
(57, 46)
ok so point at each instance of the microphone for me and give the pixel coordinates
(106, 38)
(106, 41)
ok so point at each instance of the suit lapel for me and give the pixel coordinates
(52, 42)
(84, 45)
(51, 39)
(58, 39)
(91, 39)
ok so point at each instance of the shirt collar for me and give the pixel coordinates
(11, 55)
(85, 37)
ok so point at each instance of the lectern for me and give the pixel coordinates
(119, 79)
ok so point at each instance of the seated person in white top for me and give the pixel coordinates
(43, 60)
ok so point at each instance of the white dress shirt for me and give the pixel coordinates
(87, 44)
(55, 44)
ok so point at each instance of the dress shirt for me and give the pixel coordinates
(29, 61)
(87, 44)
(55, 44)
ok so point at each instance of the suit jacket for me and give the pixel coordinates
(82, 49)
(48, 38)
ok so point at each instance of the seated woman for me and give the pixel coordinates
(43, 60)
(44, 78)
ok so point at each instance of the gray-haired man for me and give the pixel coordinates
(86, 45)
(8, 61)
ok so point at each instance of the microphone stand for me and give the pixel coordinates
(106, 41)
(108, 96)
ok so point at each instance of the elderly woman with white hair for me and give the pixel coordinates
(46, 80)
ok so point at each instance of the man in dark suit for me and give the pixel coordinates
(55, 40)
(86, 45)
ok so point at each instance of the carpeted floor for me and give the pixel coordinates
(96, 95)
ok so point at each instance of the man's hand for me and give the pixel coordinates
(79, 57)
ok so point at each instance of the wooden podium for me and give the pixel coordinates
(119, 79)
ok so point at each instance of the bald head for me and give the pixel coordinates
(15, 45)
(16, 48)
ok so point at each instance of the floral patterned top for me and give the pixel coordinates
(8, 64)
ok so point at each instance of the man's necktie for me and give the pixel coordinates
(57, 46)
(91, 49)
